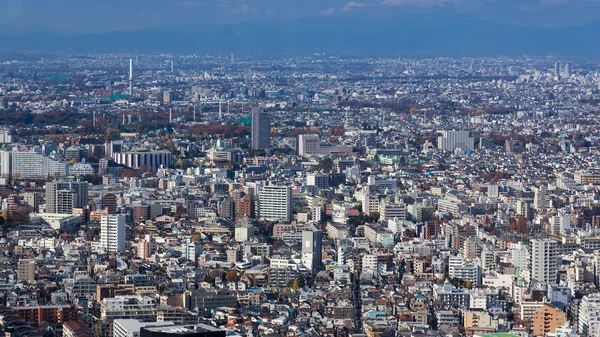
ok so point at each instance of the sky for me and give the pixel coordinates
(88, 16)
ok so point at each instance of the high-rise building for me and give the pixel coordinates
(312, 248)
(524, 210)
(557, 69)
(109, 202)
(112, 233)
(275, 203)
(309, 144)
(541, 200)
(542, 261)
(460, 234)
(244, 207)
(64, 195)
(191, 207)
(168, 97)
(26, 270)
(261, 129)
(32, 200)
(589, 315)
(568, 69)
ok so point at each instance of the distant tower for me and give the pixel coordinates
(172, 68)
(568, 69)
(557, 69)
(261, 129)
(131, 77)
(220, 111)
(231, 57)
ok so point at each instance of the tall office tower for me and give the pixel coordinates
(131, 77)
(112, 233)
(542, 260)
(557, 69)
(64, 195)
(309, 144)
(541, 201)
(26, 270)
(275, 203)
(568, 69)
(312, 248)
(261, 129)
(452, 140)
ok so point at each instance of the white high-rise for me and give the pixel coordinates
(543, 255)
(275, 203)
(112, 233)
(589, 316)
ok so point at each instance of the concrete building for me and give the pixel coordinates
(132, 327)
(145, 160)
(312, 248)
(547, 319)
(64, 195)
(275, 203)
(543, 255)
(309, 145)
(112, 233)
(261, 129)
(589, 315)
(452, 140)
(26, 270)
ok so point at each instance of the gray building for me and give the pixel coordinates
(261, 129)
(64, 195)
(312, 245)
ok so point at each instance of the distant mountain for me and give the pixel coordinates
(417, 36)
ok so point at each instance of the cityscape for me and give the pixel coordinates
(224, 194)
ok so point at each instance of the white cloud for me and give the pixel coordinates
(353, 5)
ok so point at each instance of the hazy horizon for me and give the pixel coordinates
(80, 17)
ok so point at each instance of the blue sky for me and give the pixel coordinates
(81, 16)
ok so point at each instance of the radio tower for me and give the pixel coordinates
(131, 77)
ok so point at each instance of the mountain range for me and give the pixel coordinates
(410, 36)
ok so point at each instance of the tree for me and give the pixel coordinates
(232, 275)
(299, 282)
(326, 164)
(20, 216)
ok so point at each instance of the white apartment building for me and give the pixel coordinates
(543, 255)
(275, 203)
(112, 233)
